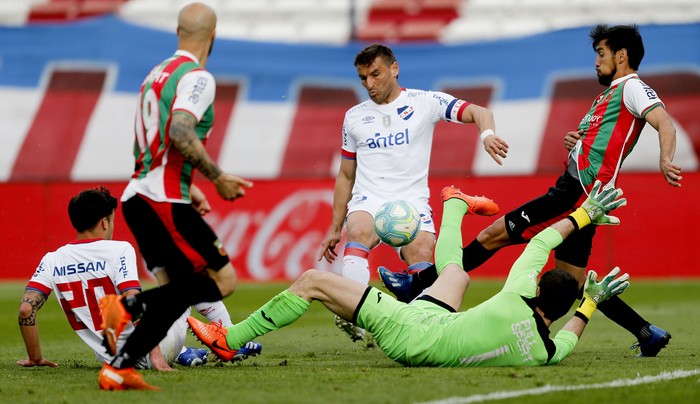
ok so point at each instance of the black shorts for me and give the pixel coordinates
(174, 236)
(524, 222)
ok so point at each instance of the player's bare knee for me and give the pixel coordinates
(25, 311)
(225, 279)
(361, 235)
(495, 235)
(306, 284)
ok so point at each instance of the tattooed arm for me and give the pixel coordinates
(30, 305)
(183, 135)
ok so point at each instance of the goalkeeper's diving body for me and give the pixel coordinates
(510, 329)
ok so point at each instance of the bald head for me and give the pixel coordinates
(196, 23)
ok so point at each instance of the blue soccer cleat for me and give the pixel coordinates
(658, 340)
(193, 357)
(398, 283)
(250, 348)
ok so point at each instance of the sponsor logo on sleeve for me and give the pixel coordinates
(651, 94)
(39, 270)
(198, 89)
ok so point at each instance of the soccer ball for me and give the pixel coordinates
(397, 223)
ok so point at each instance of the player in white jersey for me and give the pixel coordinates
(386, 155)
(83, 271)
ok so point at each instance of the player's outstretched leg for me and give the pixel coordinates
(401, 283)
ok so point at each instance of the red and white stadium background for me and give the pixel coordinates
(274, 233)
(67, 99)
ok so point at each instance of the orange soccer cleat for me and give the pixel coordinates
(111, 378)
(478, 205)
(212, 335)
(114, 320)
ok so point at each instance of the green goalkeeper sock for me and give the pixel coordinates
(448, 249)
(280, 311)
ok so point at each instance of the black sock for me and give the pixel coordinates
(424, 279)
(161, 307)
(135, 306)
(475, 254)
(622, 314)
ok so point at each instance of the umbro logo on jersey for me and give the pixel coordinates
(405, 112)
(368, 119)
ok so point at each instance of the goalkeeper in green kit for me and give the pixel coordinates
(510, 329)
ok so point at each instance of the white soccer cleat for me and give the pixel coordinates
(354, 332)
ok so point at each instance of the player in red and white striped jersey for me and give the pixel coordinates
(597, 148)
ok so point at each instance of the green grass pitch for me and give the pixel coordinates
(311, 362)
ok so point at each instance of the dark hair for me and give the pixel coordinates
(558, 290)
(89, 207)
(367, 55)
(621, 37)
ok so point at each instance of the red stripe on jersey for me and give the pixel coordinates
(139, 159)
(591, 135)
(318, 119)
(53, 140)
(649, 108)
(124, 286)
(348, 155)
(165, 213)
(455, 145)
(624, 135)
(38, 286)
(159, 147)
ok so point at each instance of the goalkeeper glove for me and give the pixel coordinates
(595, 293)
(596, 207)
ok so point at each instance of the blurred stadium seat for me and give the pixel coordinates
(338, 21)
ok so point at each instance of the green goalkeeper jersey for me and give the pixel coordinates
(502, 331)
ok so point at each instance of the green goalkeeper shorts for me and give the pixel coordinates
(401, 330)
